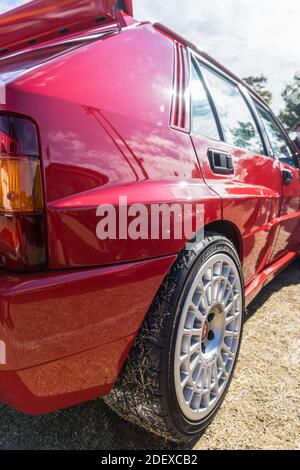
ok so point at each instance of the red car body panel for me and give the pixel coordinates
(56, 324)
(113, 119)
(109, 154)
(247, 202)
(64, 313)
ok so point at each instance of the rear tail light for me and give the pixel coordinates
(22, 233)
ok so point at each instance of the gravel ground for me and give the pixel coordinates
(261, 411)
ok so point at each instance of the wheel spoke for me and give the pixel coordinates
(215, 378)
(195, 347)
(216, 289)
(227, 297)
(222, 364)
(207, 380)
(184, 380)
(198, 374)
(229, 308)
(231, 334)
(195, 361)
(203, 297)
(229, 320)
(184, 357)
(222, 290)
(232, 279)
(208, 294)
(227, 350)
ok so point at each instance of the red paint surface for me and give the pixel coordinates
(47, 316)
(43, 20)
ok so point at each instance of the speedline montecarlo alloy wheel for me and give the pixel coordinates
(182, 362)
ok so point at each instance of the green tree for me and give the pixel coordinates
(290, 115)
(260, 84)
(245, 136)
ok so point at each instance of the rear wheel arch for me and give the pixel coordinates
(230, 231)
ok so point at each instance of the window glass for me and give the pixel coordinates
(277, 140)
(237, 121)
(203, 120)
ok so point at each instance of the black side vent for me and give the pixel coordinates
(180, 112)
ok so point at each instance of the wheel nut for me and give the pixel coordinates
(211, 335)
(210, 317)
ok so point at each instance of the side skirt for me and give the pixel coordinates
(265, 276)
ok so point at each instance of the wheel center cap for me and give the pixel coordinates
(205, 331)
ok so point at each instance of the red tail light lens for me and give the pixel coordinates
(22, 234)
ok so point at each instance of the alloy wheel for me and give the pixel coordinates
(208, 336)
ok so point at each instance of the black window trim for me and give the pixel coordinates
(193, 62)
(257, 104)
(259, 124)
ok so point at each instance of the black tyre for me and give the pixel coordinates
(183, 359)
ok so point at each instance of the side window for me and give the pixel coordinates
(238, 124)
(203, 120)
(277, 140)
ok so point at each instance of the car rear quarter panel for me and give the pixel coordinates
(108, 134)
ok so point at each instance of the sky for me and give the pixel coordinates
(249, 37)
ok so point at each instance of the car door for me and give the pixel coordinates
(282, 149)
(234, 160)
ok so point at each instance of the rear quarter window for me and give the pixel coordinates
(203, 120)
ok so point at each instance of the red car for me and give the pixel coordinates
(95, 106)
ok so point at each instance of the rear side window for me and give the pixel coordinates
(238, 124)
(203, 120)
(279, 146)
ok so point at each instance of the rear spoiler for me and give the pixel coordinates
(42, 20)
